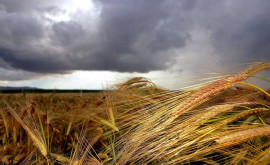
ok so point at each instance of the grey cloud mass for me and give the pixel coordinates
(125, 36)
(242, 30)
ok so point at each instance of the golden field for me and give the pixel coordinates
(226, 121)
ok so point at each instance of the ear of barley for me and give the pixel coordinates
(199, 119)
(207, 92)
(218, 87)
(231, 139)
(234, 118)
(256, 68)
(243, 135)
(246, 113)
(37, 140)
(210, 112)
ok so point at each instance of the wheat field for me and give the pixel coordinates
(226, 121)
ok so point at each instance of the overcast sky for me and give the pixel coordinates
(86, 44)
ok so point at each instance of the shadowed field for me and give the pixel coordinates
(226, 121)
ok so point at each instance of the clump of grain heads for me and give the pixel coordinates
(169, 131)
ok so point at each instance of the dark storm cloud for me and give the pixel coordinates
(16, 29)
(16, 5)
(241, 29)
(127, 36)
(133, 32)
(27, 61)
(67, 32)
(15, 75)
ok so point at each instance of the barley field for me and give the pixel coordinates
(226, 121)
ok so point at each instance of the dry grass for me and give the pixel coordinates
(140, 123)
